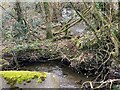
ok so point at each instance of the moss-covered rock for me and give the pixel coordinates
(17, 77)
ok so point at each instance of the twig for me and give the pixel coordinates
(105, 75)
(99, 75)
(102, 83)
(90, 82)
(108, 81)
(104, 61)
(8, 12)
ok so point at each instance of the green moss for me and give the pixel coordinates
(14, 77)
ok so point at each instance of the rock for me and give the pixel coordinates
(51, 81)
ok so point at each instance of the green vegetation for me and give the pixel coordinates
(116, 87)
(3, 63)
(92, 49)
(18, 77)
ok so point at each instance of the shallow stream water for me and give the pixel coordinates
(68, 78)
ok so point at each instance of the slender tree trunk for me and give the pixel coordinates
(18, 12)
(56, 11)
(48, 18)
(119, 15)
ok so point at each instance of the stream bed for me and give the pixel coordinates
(68, 78)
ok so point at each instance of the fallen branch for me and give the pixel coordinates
(70, 24)
(83, 18)
(101, 83)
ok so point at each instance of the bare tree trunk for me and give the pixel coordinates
(48, 17)
(56, 11)
(18, 12)
(119, 15)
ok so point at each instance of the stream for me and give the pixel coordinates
(68, 78)
(77, 29)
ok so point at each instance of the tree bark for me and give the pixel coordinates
(18, 12)
(48, 18)
(119, 15)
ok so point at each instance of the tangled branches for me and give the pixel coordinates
(101, 84)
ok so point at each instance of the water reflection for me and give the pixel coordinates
(68, 78)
